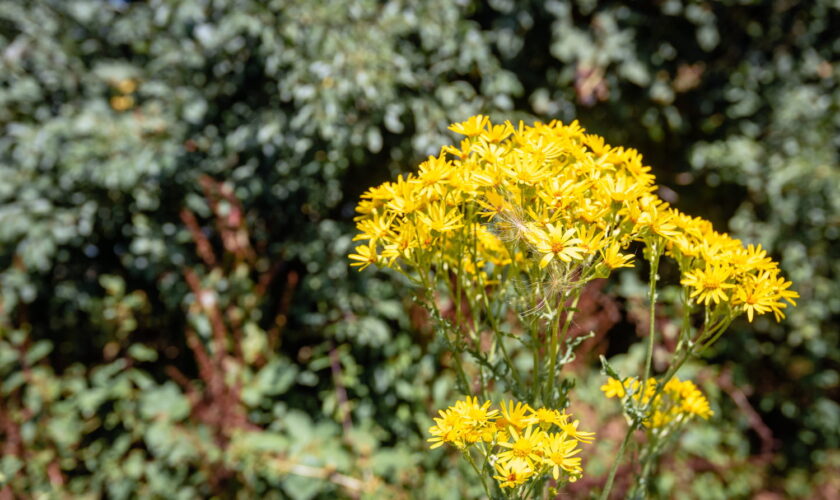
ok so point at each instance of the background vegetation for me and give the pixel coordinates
(177, 183)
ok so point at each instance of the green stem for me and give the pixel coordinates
(555, 348)
(477, 471)
(439, 317)
(552, 364)
(605, 494)
(570, 316)
(535, 350)
(649, 460)
(654, 268)
(670, 374)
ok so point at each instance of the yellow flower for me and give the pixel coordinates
(374, 228)
(438, 217)
(403, 241)
(614, 259)
(709, 284)
(591, 239)
(613, 388)
(494, 204)
(756, 295)
(464, 423)
(559, 193)
(449, 429)
(512, 473)
(572, 198)
(514, 415)
(527, 170)
(560, 454)
(677, 403)
(555, 243)
(434, 175)
(547, 417)
(621, 188)
(470, 127)
(365, 255)
(497, 133)
(524, 446)
(571, 429)
(404, 195)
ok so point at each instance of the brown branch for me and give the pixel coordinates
(186, 385)
(268, 277)
(241, 243)
(206, 299)
(202, 244)
(743, 403)
(235, 322)
(206, 370)
(350, 483)
(274, 333)
(54, 473)
(231, 226)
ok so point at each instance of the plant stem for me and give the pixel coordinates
(477, 471)
(654, 268)
(555, 348)
(552, 364)
(442, 324)
(605, 494)
(570, 316)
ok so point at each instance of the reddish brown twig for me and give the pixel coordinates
(202, 244)
(756, 423)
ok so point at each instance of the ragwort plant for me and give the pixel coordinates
(501, 234)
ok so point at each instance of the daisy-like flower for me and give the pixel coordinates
(448, 429)
(613, 388)
(478, 419)
(365, 255)
(697, 404)
(497, 133)
(756, 296)
(525, 446)
(614, 259)
(709, 284)
(514, 414)
(677, 403)
(591, 239)
(571, 429)
(546, 417)
(470, 127)
(374, 228)
(512, 473)
(438, 217)
(404, 195)
(434, 175)
(553, 243)
(464, 423)
(560, 455)
(493, 204)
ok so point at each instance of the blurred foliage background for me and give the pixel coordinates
(177, 184)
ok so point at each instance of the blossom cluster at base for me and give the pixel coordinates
(520, 442)
(676, 403)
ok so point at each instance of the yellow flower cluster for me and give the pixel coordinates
(552, 196)
(520, 442)
(676, 403)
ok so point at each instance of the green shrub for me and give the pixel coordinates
(158, 158)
